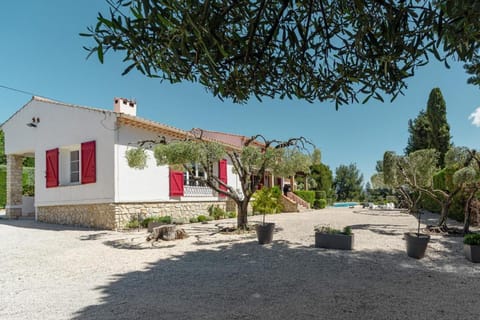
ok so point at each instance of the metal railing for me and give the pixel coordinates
(197, 191)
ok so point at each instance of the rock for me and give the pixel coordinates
(167, 232)
(181, 234)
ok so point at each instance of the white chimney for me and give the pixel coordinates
(126, 106)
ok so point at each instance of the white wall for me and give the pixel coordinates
(132, 185)
(232, 178)
(151, 183)
(64, 126)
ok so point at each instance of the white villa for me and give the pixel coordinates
(81, 173)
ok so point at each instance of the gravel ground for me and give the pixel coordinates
(58, 272)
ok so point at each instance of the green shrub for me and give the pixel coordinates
(216, 212)
(276, 192)
(201, 218)
(28, 181)
(427, 203)
(472, 239)
(329, 230)
(146, 221)
(193, 220)
(320, 194)
(456, 208)
(132, 224)
(320, 203)
(306, 195)
(347, 231)
(266, 200)
(232, 214)
(163, 219)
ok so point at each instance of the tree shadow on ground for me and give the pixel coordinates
(30, 223)
(384, 229)
(279, 281)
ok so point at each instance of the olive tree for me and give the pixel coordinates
(468, 179)
(418, 170)
(410, 175)
(337, 51)
(283, 158)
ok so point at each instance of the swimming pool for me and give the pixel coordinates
(344, 204)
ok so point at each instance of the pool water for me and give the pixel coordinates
(344, 204)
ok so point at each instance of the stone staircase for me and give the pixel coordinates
(302, 205)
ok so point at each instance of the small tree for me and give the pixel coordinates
(468, 179)
(410, 175)
(282, 158)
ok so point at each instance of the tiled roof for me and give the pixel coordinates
(229, 140)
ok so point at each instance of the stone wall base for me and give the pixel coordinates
(179, 211)
(101, 215)
(114, 216)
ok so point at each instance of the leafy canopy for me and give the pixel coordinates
(338, 51)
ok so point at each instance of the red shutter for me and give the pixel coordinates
(176, 183)
(52, 168)
(222, 174)
(89, 166)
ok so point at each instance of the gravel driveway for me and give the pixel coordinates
(57, 272)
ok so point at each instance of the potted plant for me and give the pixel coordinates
(330, 238)
(417, 242)
(471, 247)
(266, 200)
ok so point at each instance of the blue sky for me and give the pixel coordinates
(42, 53)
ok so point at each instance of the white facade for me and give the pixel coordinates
(131, 185)
(61, 126)
(43, 125)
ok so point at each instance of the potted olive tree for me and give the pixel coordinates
(471, 247)
(417, 242)
(330, 238)
(411, 176)
(266, 200)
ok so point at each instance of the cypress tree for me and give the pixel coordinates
(430, 128)
(439, 134)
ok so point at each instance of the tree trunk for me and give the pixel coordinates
(442, 221)
(242, 211)
(466, 211)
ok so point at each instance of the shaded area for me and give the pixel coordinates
(249, 281)
(383, 229)
(30, 223)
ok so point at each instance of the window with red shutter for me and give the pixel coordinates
(222, 174)
(89, 166)
(52, 168)
(176, 183)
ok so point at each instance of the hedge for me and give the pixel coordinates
(320, 203)
(320, 194)
(455, 211)
(306, 195)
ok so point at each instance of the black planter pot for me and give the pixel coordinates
(265, 233)
(472, 253)
(416, 245)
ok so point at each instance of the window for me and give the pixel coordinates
(198, 171)
(75, 166)
(70, 165)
